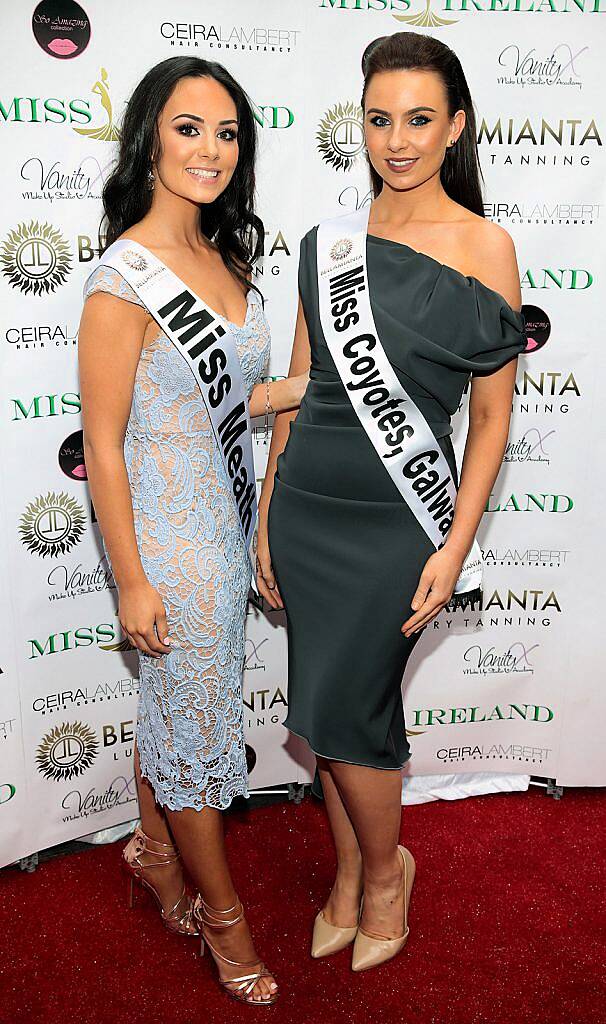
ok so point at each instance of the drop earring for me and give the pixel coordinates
(151, 181)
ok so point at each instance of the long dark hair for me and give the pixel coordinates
(460, 173)
(230, 221)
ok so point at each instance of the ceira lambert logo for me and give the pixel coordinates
(234, 37)
(543, 212)
(38, 336)
(61, 28)
(35, 258)
(497, 751)
(96, 693)
(341, 249)
(135, 260)
(71, 456)
(52, 524)
(525, 556)
(340, 136)
(106, 132)
(66, 751)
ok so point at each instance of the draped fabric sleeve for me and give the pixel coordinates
(481, 327)
(500, 334)
(106, 279)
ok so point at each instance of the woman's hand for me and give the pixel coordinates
(143, 618)
(284, 395)
(299, 386)
(435, 589)
(266, 581)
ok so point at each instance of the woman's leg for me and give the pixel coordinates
(372, 798)
(343, 904)
(167, 879)
(199, 836)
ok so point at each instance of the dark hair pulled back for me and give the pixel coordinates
(460, 173)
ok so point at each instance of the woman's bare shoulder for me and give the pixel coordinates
(491, 257)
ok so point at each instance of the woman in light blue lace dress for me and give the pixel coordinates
(183, 188)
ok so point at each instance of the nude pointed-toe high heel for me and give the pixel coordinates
(371, 950)
(328, 938)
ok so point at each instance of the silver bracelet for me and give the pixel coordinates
(268, 411)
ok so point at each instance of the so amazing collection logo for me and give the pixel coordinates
(61, 28)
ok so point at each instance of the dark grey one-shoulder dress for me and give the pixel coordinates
(346, 549)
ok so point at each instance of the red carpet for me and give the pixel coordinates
(507, 926)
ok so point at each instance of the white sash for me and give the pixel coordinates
(209, 349)
(396, 427)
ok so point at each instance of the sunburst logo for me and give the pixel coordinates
(52, 524)
(106, 132)
(36, 258)
(340, 135)
(134, 260)
(341, 249)
(426, 18)
(66, 751)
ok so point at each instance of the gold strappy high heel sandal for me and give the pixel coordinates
(371, 950)
(179, 919)
(242, 987)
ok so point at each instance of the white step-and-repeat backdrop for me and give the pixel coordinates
(515, 686)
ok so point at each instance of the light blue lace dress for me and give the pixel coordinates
(189, 729)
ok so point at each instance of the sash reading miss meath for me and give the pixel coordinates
(396, 427)
(209, 349)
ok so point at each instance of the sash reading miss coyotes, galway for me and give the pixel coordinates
(209, 349)
(398, 430)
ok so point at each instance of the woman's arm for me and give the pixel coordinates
(283, 395)
(299, 367)
(489, 415)
(109, 346)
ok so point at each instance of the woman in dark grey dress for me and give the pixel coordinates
(349, 559)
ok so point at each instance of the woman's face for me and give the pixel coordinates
(407, 126)
(198, 132)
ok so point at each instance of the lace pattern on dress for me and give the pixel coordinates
(190, 716)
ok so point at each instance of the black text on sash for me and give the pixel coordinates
(199, 332)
